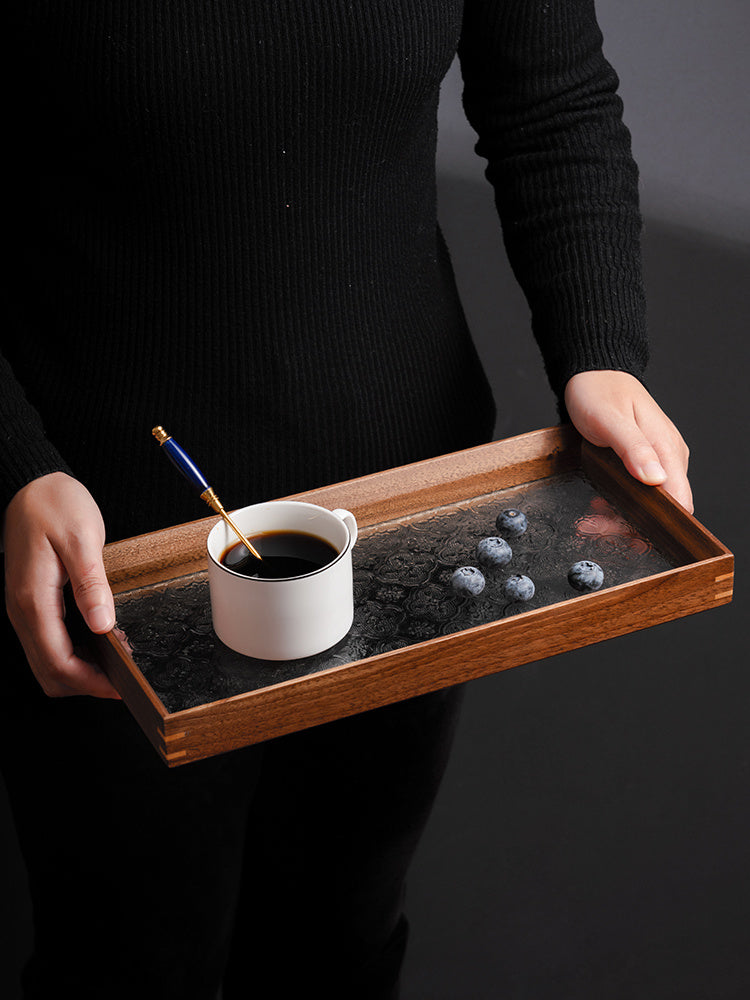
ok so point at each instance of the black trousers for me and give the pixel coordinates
(275, 871)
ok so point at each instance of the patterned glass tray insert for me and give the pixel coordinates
(402, 589)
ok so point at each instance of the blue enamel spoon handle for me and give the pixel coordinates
(181, 460)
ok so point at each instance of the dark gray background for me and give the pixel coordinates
(590, 838)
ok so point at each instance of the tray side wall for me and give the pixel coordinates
(133, 688)
(651, 509)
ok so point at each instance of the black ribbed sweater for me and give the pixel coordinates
(223, 219)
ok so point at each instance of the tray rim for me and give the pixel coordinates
(703, 579)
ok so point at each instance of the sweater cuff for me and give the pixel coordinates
(24, 457)
(599, 327)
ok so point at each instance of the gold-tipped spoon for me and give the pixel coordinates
(182, 461)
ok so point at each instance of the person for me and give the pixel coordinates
(223, 219)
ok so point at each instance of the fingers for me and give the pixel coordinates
(58, 669)
(53, 532)
(36, 610)
(671, 450)
(613, 409)
(638, 456)
(656, 465)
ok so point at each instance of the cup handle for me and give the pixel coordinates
(349, 520)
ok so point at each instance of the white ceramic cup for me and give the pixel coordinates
(283, 619)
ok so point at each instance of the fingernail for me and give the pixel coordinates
(653, 472)
(100, 619)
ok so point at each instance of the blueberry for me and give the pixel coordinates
(511, 523)
(585, 575)
(519, 588)
(467, 581)
(494, 552)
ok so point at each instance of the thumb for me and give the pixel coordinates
(637, 453)
(88, 580)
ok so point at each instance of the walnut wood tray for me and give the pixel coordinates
(195, 698)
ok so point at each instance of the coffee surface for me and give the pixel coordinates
(284, 554)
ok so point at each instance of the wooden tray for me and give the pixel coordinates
(194, 698)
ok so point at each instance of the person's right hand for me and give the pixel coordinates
(54, 532)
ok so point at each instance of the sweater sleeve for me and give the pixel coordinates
(25, 451)
(542, 99)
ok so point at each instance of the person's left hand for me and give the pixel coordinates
(614, 410)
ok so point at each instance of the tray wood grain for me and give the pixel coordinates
(703, 578)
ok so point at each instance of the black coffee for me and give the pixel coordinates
(283, 554)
